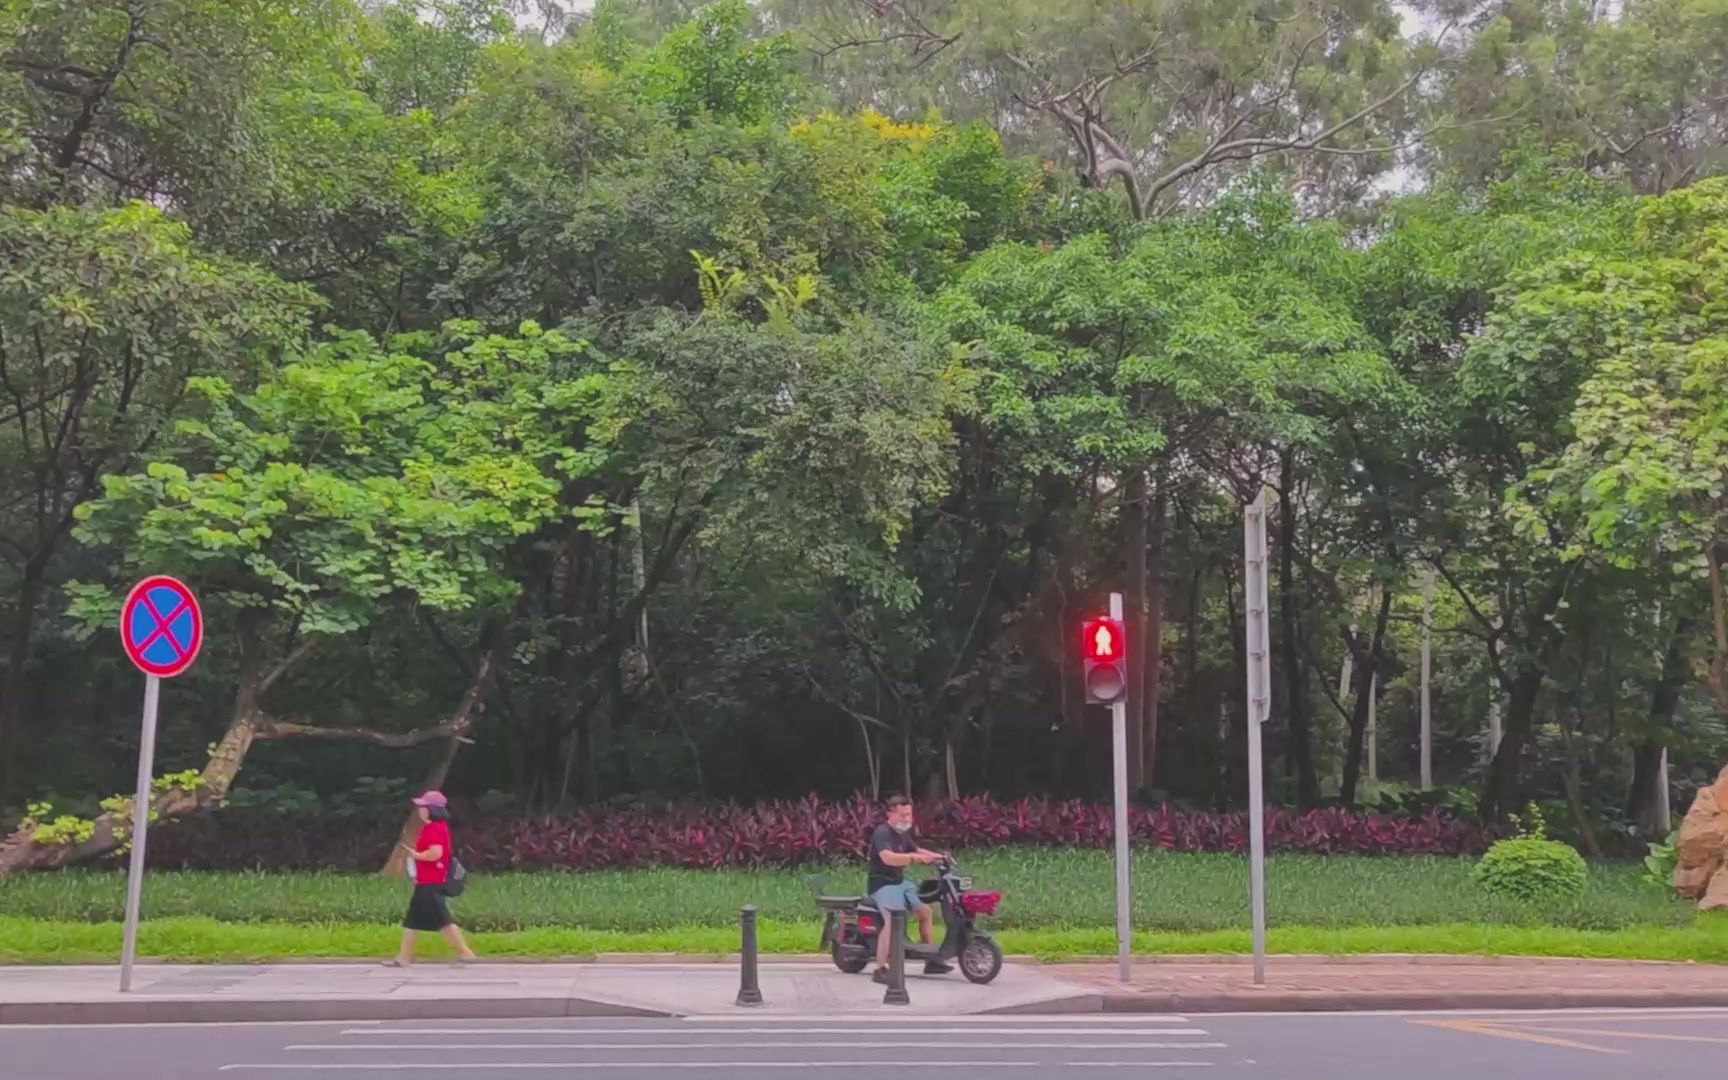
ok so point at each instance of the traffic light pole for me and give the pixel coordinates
(1119, 764)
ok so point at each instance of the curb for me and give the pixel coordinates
(169, 1010)
(1404, 1001)
(1369, 960)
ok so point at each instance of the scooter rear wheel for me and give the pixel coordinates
(981, 961)
(849, 962)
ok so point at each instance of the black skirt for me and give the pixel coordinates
(427, 909)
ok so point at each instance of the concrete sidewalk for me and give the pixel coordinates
(164, 993)
(810, 987)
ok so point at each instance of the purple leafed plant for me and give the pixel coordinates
(785, 834)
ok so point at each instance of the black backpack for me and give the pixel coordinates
(457, 878)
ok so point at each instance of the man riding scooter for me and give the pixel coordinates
(892, 849)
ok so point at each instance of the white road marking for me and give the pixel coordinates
(190, 1024)
(471, 1066)
(1586, 1013)
(1137, 1064)
(1006, 1019)
(403, 1066)
(663, 1045)
(626, 1032)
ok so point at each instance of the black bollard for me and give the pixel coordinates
(749, 989)
(896, 994)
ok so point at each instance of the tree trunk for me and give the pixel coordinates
(14, 761)
(1573, 781)
(1645, 801)
(1134, 554)
(1718, 672)
(1367, 671)
(872, 764)
(1153, 683)
(1299, 747)
(906, 755)
(952, 770)
(1503, 792)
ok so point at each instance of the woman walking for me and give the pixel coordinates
(429, 865)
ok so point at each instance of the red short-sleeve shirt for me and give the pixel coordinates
(436, 871)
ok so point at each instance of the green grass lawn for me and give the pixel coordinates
(1057, 903)
(1043, 889)
(202, 940)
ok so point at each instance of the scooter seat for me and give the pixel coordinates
(838, 901)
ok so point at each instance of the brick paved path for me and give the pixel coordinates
(1226, 983)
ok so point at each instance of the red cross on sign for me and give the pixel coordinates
(161, 627)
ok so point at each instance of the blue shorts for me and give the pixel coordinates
(901, 897)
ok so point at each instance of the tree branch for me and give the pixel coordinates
(461, 721)
(1245, 149)
(300, 652)
(288, 729)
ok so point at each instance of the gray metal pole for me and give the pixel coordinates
(1119, 769)
(896, 994)
(1259, 704)
(749, 985)
(140, 823)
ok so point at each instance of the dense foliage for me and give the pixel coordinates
(702, 402)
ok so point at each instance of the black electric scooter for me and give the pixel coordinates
(853, 923)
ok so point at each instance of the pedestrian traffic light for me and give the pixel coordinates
(1104, 660)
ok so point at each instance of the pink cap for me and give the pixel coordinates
(432, 798)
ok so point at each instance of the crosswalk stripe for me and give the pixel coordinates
(471, 1066)
(874, 1066)
(802, 1044)
(1005, 1019)
(627, 1032)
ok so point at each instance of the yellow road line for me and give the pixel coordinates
(1657, 1035)
(1628, 1018)
(1474, 1027)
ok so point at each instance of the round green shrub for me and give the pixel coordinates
(1531, 868)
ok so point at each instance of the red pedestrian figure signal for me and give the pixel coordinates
(1104, 656)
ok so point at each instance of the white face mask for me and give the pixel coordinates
(901, 826)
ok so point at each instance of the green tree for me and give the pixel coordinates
(104, 317)
(353, 481)
(1641, 481)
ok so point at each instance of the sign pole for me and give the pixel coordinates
(161, 630)
(1119, 767)
(1259, 705)
(140, 823)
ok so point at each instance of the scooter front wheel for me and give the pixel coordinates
(981, 960)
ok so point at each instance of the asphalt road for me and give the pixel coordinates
(1436, 1046)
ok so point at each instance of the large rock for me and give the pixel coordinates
(1716, 897)
(1691, 881)
(1701, 872)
